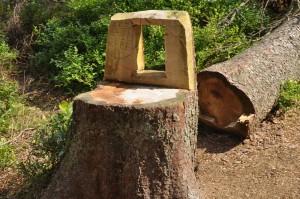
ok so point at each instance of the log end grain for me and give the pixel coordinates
(223, 105)
(249, 83)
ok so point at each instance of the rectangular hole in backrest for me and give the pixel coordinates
(154, 47)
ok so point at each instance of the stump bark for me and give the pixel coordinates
(130, 142)
(233, 95)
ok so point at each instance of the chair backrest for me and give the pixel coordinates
(125, 49)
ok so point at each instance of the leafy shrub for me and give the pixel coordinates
(221, 31)
(74, 69)
(36, 12)
(59, 44)
(217, 45)
(290, 94)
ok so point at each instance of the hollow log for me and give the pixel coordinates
(130, 142)
(237, 93)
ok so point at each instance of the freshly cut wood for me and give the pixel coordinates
(125, 49)
(130, 142)
(233, 95)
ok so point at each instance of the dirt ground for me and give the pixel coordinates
(265, 166)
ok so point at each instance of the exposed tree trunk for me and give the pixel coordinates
(233, 95)
(130, 142)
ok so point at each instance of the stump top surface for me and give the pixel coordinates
(124, 94)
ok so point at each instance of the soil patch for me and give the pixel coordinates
(265, 166)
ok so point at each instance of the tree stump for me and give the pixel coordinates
(134, 141)
(131, 142)
(234, 94)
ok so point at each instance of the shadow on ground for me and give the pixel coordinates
(213, 141)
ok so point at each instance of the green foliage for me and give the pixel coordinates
(7, 56)
(78, 39)
(252, 19)
(34, 13)
(219, 45)
(10, 106)
(154, 50)
(7, 156)
(10, 101)
(62, 41)
(6, 8)
(49, 143)
(290, 94)
(75, 69)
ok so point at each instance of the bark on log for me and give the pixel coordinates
(233, 95)
(130, 142)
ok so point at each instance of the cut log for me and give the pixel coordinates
(130, 142)
(233, 95)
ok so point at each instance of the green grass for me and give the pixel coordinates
(17, 118)
(50, 139)
(7, 155)
(290, 95)
(32, 141)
